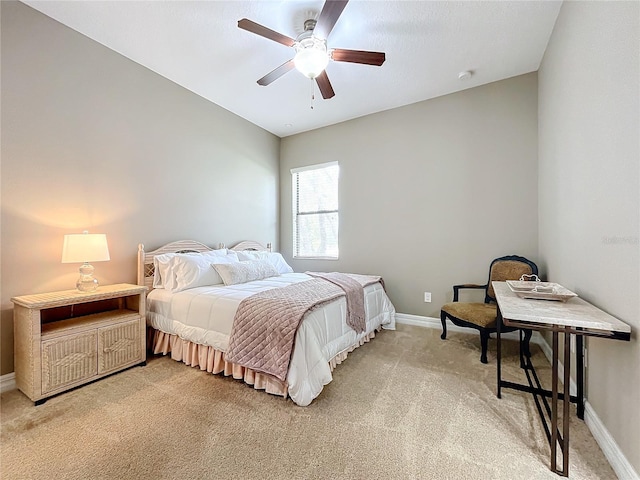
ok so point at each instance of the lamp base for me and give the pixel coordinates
(86, 282)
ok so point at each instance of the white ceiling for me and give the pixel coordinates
(198, 45)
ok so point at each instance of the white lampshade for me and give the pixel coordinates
(85, 247)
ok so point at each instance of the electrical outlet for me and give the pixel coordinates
(427, 296)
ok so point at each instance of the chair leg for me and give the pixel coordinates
(443, 319)
(484, 341)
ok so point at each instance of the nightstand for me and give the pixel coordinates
(65, 339)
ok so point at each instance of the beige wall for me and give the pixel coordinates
(589, 200)
(92, 140)
(429, 193)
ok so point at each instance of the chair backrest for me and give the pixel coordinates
(510, 267)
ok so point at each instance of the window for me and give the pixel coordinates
(315, 211)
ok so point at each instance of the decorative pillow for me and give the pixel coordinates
(192, 271)
(274, 258)
(247, 271)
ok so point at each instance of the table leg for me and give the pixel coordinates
(499, 352)
(566, 403)
(554, 401)
(580, 375)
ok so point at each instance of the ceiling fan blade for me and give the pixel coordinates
(329, 15)
(276, 73)
(265, 32)
(325, 85)
(358, 56)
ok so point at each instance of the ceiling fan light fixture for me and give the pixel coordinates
(311, 56)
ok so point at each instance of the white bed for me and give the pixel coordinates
(194, 325)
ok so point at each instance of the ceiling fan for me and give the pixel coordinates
(312, 55)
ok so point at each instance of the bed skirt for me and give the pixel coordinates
(211, 360)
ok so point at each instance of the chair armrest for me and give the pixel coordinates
(456, 289)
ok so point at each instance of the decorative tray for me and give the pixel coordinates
(540, 290)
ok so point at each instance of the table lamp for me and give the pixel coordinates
(84, 248)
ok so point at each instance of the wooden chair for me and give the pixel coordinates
(482, 316)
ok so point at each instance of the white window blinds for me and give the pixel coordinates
(315, 211)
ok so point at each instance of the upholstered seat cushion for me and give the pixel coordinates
(481, 314)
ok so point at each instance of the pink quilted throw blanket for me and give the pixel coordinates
(265, 325)
(355, 297)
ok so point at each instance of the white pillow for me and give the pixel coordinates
(223, 252)
(274, 258)
(163, 266)
(247, 271)
(192, 271)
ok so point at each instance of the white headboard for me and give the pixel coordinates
(145, 259)
(251, 245)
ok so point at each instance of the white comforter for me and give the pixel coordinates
(204, 315)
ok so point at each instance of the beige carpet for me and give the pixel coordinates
(405, 406)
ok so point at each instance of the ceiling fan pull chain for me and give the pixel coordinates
(312, 95)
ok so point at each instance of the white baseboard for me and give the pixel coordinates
(7, 382)
(417, 320)
(621, 466)
(432, 322)
(624, 470)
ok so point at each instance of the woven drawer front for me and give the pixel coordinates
(119, 345)
(70, 359)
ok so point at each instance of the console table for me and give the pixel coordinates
(573, 317)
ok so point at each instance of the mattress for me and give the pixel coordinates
(204, 315)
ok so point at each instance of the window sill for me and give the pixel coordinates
(315, 258)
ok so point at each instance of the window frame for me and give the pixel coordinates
(296, 213)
